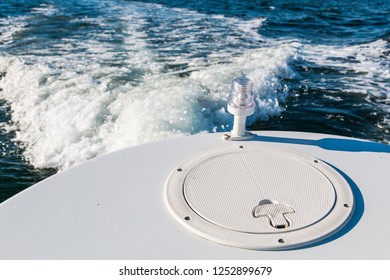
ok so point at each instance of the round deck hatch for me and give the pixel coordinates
(259, 197)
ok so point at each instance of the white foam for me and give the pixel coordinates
(251, 27)
(45, 9)
(11, 26)
(366, 68)
(88, 96)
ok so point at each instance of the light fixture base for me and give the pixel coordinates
(230, 137)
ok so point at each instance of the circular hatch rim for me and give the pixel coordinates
(337, 217)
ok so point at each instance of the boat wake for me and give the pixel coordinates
(144, 72)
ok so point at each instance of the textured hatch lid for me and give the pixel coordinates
(259, 198)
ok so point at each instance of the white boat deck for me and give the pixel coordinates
(113, 207)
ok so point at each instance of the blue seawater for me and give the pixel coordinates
(81, 78)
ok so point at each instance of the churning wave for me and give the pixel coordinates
(143, 72)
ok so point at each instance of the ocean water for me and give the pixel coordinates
(81, 78)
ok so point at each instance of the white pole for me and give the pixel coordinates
(239, 126)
